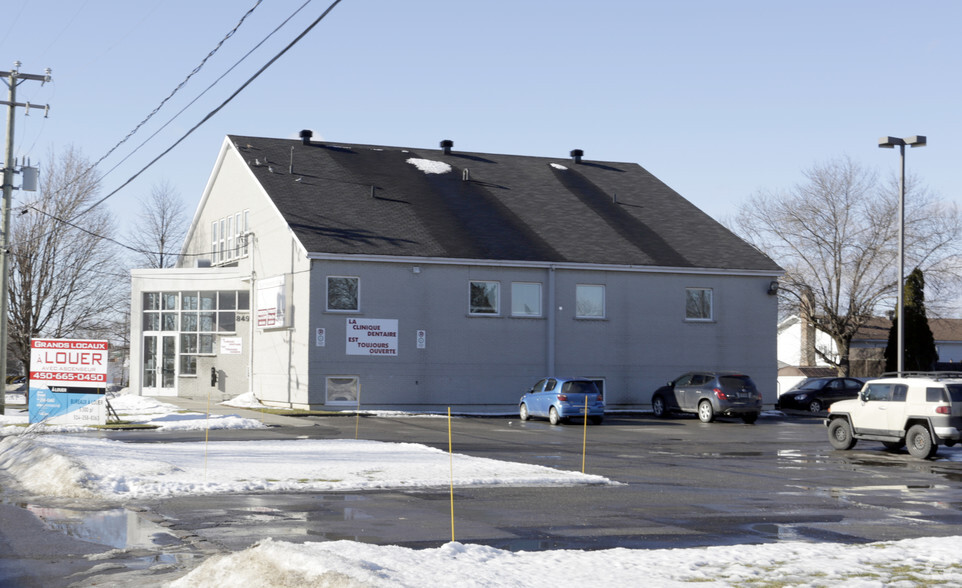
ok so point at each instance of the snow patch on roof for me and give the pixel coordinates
(558, 166)
(430, 167)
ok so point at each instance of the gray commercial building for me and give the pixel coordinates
(331, 275)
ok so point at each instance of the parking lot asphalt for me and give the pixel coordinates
(676, 483)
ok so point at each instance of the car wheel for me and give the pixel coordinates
(815, 406)
(840, 434)
(523, 412)
(705, 411)
(658, 407)
(553, 416)
(596, 420)
(893, 445)
(749, 418)
(919, 442)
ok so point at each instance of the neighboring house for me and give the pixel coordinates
(867, 352)
(320, 274)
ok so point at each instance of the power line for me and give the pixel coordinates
(208, 88)
(211, 114)
(199, 124)
(180, 85)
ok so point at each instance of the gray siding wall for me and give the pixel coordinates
(488, 361)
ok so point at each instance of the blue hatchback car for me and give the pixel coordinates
(559, 399)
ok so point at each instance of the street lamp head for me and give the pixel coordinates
(892, 142)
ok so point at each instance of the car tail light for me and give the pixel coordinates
(563, 397)
(719, 394)
(943, 410)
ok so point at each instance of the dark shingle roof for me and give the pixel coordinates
(370, 200)
(877, 330)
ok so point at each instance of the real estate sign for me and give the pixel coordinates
(68, 381)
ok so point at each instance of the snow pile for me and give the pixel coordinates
(245, 400)
(929, 561)
(61, 465)
(140, 410)
(430, 167)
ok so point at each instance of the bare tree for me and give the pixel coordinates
(836, 235)
(64, 279)
(161, 227)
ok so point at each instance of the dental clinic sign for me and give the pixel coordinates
(377, 337)
(68, 380)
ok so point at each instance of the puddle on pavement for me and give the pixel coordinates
(117, 527)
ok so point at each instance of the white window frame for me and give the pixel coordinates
(579, 306)
(516, 298)
(357, 390)
(497, 298)
(213, 243)
(327, 293)
(228, 237)
(689, 316)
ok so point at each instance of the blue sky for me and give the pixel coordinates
(718, 99)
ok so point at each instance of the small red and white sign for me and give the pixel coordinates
(79, 363)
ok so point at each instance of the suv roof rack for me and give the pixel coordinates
(917, 374)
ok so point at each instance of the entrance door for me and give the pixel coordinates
(160, 365)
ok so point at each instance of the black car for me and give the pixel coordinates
(817, 394)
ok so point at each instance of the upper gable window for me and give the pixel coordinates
(589, 301)
(698, 304)
(343, 293)
(484, 298)
(229, 237)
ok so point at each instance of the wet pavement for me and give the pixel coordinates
(678, 483)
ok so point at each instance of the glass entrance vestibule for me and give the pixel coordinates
(182, 328)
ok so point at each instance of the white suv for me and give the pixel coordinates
(920, 410)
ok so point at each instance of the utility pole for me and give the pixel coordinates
(13, 78)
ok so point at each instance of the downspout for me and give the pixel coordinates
(250, 305)
(552, 320)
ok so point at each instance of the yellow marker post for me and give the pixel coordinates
(451, 455)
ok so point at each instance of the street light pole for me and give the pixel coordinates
(890, 143)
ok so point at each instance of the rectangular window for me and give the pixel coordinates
(589, 301)
(247, 215)
(342, 389)
(525, 299)
(230, 238)
(484, 298)
(343, 293)
(151, 314)
(151, 300)
(213, 243)
(698, 304)
(222, 242)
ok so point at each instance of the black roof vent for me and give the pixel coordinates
(306, 136)
(446, 146)
(576, 155)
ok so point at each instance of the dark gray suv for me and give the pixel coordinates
(708, 394)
